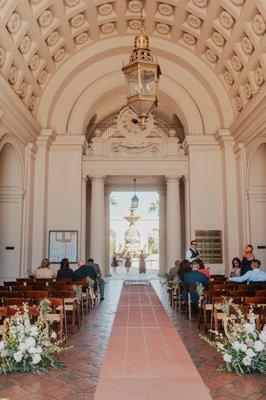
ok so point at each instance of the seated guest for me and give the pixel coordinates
(194, 277)
(236, 267)
(247, 259)
(84, 271)
(184, 267)
(204, 270)
(173, 270)
(65, 271)
(255, 275)
(100, 280)
(44, 270)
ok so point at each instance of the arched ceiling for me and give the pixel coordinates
(37, 37)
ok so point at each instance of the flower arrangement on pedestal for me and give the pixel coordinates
(29, 347)
(242, 346)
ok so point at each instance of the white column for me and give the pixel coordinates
(187, 208)
(97, 231)
(40, 197)
(82, 249)
(173, 221)
(162, 232)
(107, 232)
(241, 163)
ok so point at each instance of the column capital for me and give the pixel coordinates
(172, 177)
(97, 177)
(46, 137)
(223, 137)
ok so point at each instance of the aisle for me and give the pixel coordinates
(145, 357)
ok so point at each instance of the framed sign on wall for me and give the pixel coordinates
(210, 246)
(63, 244)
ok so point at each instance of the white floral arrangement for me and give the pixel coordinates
(90, 282)
(29, 347)
(242, 346)
(77, 290)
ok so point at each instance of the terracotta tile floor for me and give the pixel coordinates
(83, 363)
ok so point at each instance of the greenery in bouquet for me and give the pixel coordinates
(174, 282)
(90, 282)
(77, 289)
(242, 346)
(29, 347)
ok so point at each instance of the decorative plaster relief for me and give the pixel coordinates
(164, 29)
(105, 9)
(194, 21)
(200, 3)
(14, 22)
(108, 28)
(2, 3)
(46, 18)
(71, 3)
(246, 45)
(35, 61)
(2, 56)
(134, 24)
(13, 75)
(237, 2)
(23, 90)
(226, 20)
(52, 39)
(189, 39)
(236, 63)
(42, 76)
(77, 21)
(25, 44)
(127, 126)
(59, 55)
(81, 38)
(134, 6)
(32, 103)
(238, 103)
(228, 78)
(258, 76)
(259, 24)
(247, 91)
(210, 55)
(35, 1)
(136, 149)
(218, 39)
(165, 9)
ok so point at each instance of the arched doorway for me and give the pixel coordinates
(11, 211)
(257, 202)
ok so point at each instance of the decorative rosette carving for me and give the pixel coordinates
(2, 56)
(246, 45)
(25, 44)
(59, 55)
(14, 22)
(52, 39)
(71, 3)
(226, 20)
(32, 103)
(189, 39)
(23, 90)
(77, 21)
(247, 91)
(35, 61)
(35, 1)
(46, 18)
(165, 9)
(108, 28)
(238, 2)
(82, 38)
(164, 29)
(42, 76)
(238, 103)
(194, 21)
(13, 75)
(211, 56)
(105, 9)
(258, 76)
(218, 39)
(200, 3)
(259, 24)
(228, 78)
(134, 24)
(134, 6)
(236, 63)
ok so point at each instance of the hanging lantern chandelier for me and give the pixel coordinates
(142, 76)
(134, 200)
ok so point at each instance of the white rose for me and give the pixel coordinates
(22, 347)
(262, 336)
(2, 345)
(17, 356)
(53, 335)
(47, 343)
(250, 353)
(227, 358)
(247, 360)
(243, 347)
(249, 342)
(249, 327)
(32, 350)
(236, 345)
(3, 353)
(33, 330)
(38, 349)
(258, 346)
(36, 358)
(30, 342)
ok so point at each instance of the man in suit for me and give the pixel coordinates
(84, 271)
(194, 277)
(101, 281)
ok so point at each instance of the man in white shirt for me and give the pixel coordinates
(255, 275)
(193, 254)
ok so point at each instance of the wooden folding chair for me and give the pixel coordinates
(19, 301)
(3, 320)
(57, 315)
(36, 295)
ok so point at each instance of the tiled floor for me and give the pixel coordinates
(83, 363)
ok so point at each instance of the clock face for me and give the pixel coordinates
(130, 125)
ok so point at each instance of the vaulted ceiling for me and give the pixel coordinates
(38, 36)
